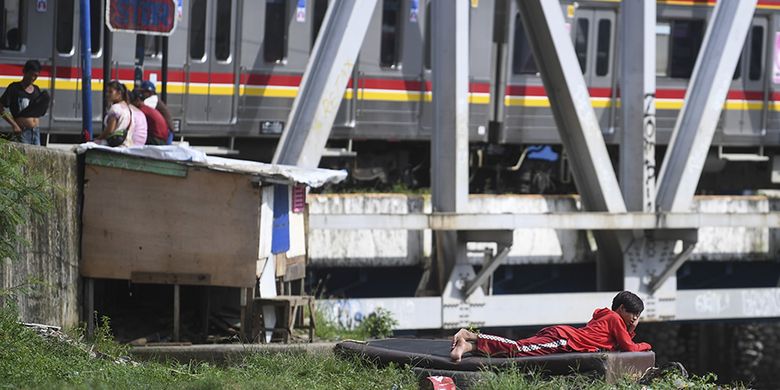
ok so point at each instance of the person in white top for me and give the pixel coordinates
(117, 125)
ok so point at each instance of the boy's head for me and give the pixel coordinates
(30, 71)
(628, 306)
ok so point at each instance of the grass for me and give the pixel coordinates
(29, 361)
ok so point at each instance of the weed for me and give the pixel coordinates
(379, 324)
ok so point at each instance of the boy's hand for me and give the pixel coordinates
(632, 326)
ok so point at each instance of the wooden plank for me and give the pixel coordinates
(170, 278)
(296, 268)
(114, 160)
(206, 223)
(281, 264)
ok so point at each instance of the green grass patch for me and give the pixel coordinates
(29, 361)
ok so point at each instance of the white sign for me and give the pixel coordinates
(41, 5)
(300, 11)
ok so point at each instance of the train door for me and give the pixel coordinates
(211, 75)
(743, 114)
(772, 75)
(592, 32)
(66, 75)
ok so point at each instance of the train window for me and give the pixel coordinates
(756, 53)
(602, 47)
(581, 42)
(522, 56)
(12, 25)
(662, 33)
(389, 56)
(275, 37)
(198, 30)
(320, 6)
(65, 26)
(686, 38)
(149, 46)
(222, 36)
(95, 20)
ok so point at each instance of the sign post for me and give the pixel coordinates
(148, 17)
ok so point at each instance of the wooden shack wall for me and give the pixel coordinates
(198, 229)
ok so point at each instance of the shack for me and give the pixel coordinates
(171, 215)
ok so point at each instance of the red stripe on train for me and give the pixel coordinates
(538, 91)
(251, 79)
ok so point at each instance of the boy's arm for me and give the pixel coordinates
(10, 119)
(163, 109)
(623, 338)
(6, 113)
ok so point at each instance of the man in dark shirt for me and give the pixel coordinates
(18, 96)
(151, 99)
(157, 129)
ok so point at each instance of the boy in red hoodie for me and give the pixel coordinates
(608, 330)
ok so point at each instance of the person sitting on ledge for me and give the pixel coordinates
(608, 330)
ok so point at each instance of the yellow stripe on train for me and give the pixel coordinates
(660, 104)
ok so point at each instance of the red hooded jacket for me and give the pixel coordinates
(606, 331)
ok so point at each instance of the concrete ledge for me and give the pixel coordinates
(222, 353)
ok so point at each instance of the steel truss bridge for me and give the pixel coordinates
(638, 216)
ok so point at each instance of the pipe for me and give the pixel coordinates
(86, 71)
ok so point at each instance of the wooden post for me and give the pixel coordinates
(176, 319)
(89, 296)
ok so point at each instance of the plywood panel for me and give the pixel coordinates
(204, 223)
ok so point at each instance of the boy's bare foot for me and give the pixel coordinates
(463, 334)
(460, 348)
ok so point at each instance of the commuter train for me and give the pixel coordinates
(235, 67)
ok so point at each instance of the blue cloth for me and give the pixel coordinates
(31, 136)
(542, 152)
(280, 236)
(170, 137)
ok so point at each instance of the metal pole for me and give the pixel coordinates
(164, 88)
(107, 45)
(86, 71)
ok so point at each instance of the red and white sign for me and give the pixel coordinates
(441, 383)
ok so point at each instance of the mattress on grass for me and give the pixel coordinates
(434, 355)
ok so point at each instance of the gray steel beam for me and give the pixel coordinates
(577, 125)
(324, 82)
(570, 102)
(487, 270)
(562, 221)
(704, 99)
(637, 100)
(449, 144)
(450, 76)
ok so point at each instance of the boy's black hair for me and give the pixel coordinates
(32, 66)
(629, 300)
